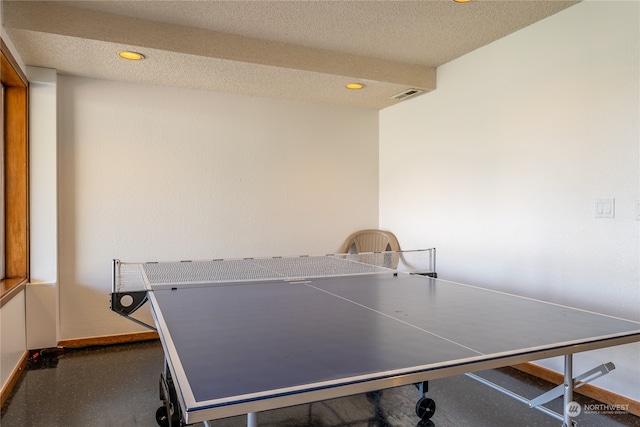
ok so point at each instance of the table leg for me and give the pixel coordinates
(252, 419)
(568, 388)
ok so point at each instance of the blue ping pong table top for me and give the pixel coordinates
(229, 344)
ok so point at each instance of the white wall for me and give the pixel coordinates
(42, 292)
(500, 168)
(12, 336)
(152, 173)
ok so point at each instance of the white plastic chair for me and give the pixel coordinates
(370, 240)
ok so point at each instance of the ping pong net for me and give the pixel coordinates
(132, 280)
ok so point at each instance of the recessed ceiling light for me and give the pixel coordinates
(462, 1)
(354, 86)
(133, 56)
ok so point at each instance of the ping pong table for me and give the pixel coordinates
(242, 336)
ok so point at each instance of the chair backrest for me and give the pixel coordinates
(370, 241)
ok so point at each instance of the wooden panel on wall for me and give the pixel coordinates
(16, 191)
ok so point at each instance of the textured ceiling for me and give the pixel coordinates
(299, 50)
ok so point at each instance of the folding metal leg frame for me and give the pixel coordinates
(566, 389)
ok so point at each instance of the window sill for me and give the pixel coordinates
(9, 288)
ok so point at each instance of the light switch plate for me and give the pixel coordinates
(605, 208)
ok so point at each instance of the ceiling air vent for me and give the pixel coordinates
(406, 94)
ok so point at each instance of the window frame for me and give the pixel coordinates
(16, 179)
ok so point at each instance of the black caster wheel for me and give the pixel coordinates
(425, 408)
(162, 417)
